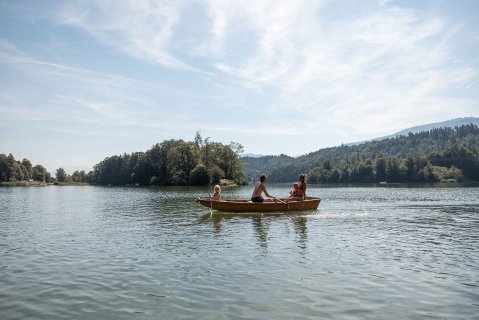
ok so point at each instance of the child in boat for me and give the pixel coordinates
(216, 193)
(295, 191)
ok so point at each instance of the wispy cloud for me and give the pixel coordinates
(313, 54)
(370, 59)
(325, 70)
(142, 29)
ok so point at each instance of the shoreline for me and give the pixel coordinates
(440, 184)
(40, 184)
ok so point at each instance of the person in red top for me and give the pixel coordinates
(302, 187)
(299, 193)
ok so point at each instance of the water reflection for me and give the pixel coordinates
(260, 225)
(118, 252)
(216, 224)
(261, 230)
(301, 230)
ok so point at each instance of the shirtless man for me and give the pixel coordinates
(259, 189)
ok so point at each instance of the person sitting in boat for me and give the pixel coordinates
(259, 189)
(302, 187)
(299, 192)
(295, 191)
(216, 193)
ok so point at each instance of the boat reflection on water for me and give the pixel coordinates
(299, 224)
(261, 230)
(260, 224)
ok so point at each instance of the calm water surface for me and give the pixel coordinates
(142, 253)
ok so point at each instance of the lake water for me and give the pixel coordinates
(145, 253)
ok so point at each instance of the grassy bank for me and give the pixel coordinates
(70, 184)
(39, 184)
(23, 184)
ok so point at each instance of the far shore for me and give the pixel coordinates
(40, 184)
(230, 183)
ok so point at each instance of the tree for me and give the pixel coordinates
(14, 170)
(140, 168)
(228, 160)
(198, 140)
(411, 171)
(205, 151)
(79, 176)
(61, 175)
(28, 166)
(171, 162)
(216, 173)
(327, 165)
(393, 169)
(156, 162)
(381, 169)
(182, 159)
(199, 176)
(39, 173)
(4, 168)
(335, 176)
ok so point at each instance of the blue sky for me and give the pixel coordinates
(82, 80)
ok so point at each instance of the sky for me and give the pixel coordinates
(83, 80)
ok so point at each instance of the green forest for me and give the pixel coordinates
(441, 154)
(173, 162)
(431, 156)
(13, 171)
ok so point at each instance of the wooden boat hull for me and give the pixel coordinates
(268, 205)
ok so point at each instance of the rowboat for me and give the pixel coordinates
(269, 205)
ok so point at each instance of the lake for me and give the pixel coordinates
(385, 252)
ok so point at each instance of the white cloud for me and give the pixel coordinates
(352, 70)
(143, 29)
(313, 54)
(377, 71)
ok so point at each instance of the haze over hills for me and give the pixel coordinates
(426, 127)
(428, 140)
(445, 124)
(252, 155)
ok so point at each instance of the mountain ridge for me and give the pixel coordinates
(441, 136)
(426, 127)
(451, 123)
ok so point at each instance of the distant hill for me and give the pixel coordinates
(251, 155)
(445, 124)
(425, 143)
(457, 122)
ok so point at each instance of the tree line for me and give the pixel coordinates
(12, 170)
(430, 156)
(173, 162)
(389, 169)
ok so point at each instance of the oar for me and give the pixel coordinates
(211, 207)
(286, 204)
(280, 200)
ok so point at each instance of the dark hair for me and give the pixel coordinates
(262, 177)
(302, 176)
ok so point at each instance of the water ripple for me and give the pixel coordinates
(110, 253)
